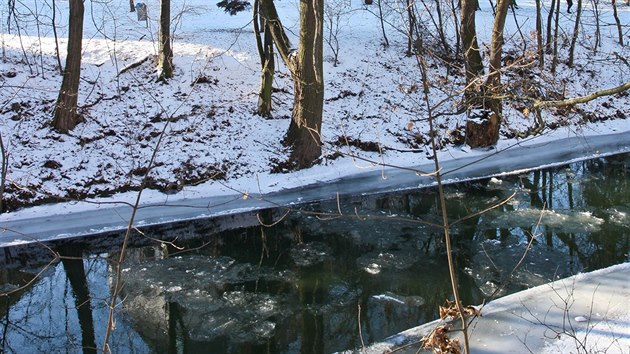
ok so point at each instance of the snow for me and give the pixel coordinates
(216, 155)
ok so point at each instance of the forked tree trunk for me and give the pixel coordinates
(165, 50)
(66, 116)
(484, 130)
(306, 67)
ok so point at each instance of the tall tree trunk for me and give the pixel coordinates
(554, 59)
(267, 63)
(165, 50)
(304, 134)
(618, 22)
(539, 38)
(306, 67)
(576, 28)
(66, 116)
(411, 16)
(549, 23)
(485, 131)
(470, 47)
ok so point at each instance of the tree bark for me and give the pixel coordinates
(484, 130)
(165, 50)
(66, 116)
(267, 62)
(539, 38)
(470, 47)
(549, 23)
(618, 22)
(306, 67)
(576, 29)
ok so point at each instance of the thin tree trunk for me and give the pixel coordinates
(380, 15)
(554, 59)
(539, 39)
(618, 22)
(549, 23)
(412, 25)
(66, 116)
(54, 28)
(597, 26)
(576, 29)
(458, 39)
(265, 51)
(165, 50)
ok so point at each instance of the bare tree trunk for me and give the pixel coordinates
(616, 15)
(597, 26)
(470, 47)
(54, 28)
(549, 23)
(485, 132)
(265, 52)
(66, 116)
(554, 59)
(306, 67)
(4, 154)
(539, 39)
(165, 50)
(576, 29)
(380, 16)
(132, 6)
(411, 16)
(304, 135)
(458, 39)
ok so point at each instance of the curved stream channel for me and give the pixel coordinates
(320, 278)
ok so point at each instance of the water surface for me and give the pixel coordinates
(319, 278)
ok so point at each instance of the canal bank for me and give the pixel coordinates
(83, 218)
(585, 313)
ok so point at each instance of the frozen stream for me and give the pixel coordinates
(304, 284)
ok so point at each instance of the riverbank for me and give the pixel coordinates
(585, 313)
(74, 219)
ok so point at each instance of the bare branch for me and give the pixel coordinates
(583, 99)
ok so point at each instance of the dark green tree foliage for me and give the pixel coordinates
(234, 6)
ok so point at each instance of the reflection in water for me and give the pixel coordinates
(72, 260)
(314, 284)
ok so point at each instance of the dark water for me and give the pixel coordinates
(325, 277)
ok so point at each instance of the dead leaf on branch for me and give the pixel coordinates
(451, 310)
(439, 341)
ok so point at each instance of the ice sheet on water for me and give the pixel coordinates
(619, 215)
(565, 221)
(209, 295)
(495, 267)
